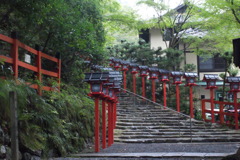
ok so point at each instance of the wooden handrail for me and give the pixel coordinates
(14, 60)
(221, 112)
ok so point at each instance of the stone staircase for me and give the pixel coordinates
(139, 121)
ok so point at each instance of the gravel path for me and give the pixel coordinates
(171, 147)
(168, 151)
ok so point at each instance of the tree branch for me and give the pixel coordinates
(47, 40)
(234, 12)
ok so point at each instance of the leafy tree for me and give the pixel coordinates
(73, 28)
(116, 20)
(170, 21)
(61, 122)
(219, 23)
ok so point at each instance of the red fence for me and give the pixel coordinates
(228, 112)
(37, 68)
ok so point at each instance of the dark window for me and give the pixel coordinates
(167, 35)
(208, 64)
(236, 51)
(145, 35)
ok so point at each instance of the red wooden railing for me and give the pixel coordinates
(14, 60)
(224, 116)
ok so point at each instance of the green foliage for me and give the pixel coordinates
(118, 19)
(233, 70)
(172, 19)
(219, 20)
(59, 121)
(71, 27)
(170, 59)
(140, 52)
(190, 67)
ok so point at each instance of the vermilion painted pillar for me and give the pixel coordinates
(124, 80)
(143, 87)
(164, 95)
(114, 114)
(191, 101)
(39, 68)
(109, 124)
(236, 111)
(212, 104)
(134, 83)
(14, 54)
(96, 125)
(59, 73)
(103, 124)
(112, 123)
(177, 97)
(153, 90)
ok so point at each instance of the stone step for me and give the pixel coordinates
(172, 130)
(170, 122)
(158, 122)
(160, 117)
(148, 156)
(159, 127)
(146, 110)
(174, 136)
(141, 122)
(137, 112)
(139, 107)
(163, 125)
(177, 133)
(177, 140)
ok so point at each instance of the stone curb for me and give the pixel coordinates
(153, 155)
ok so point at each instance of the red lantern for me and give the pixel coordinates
(124, 65)
(190, 78)
(143, 71)
(163, 75)
(153, 73)
(234, 83)
(211, 80)
(133, 68)
(177, 77)
(96, 81)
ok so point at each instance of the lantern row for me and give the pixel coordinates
(104, 85)
(154, 72)
(177, 75)
(163, 75)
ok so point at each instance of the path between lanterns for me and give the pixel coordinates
(147, 131)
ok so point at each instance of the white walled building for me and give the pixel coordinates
(204, 65)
